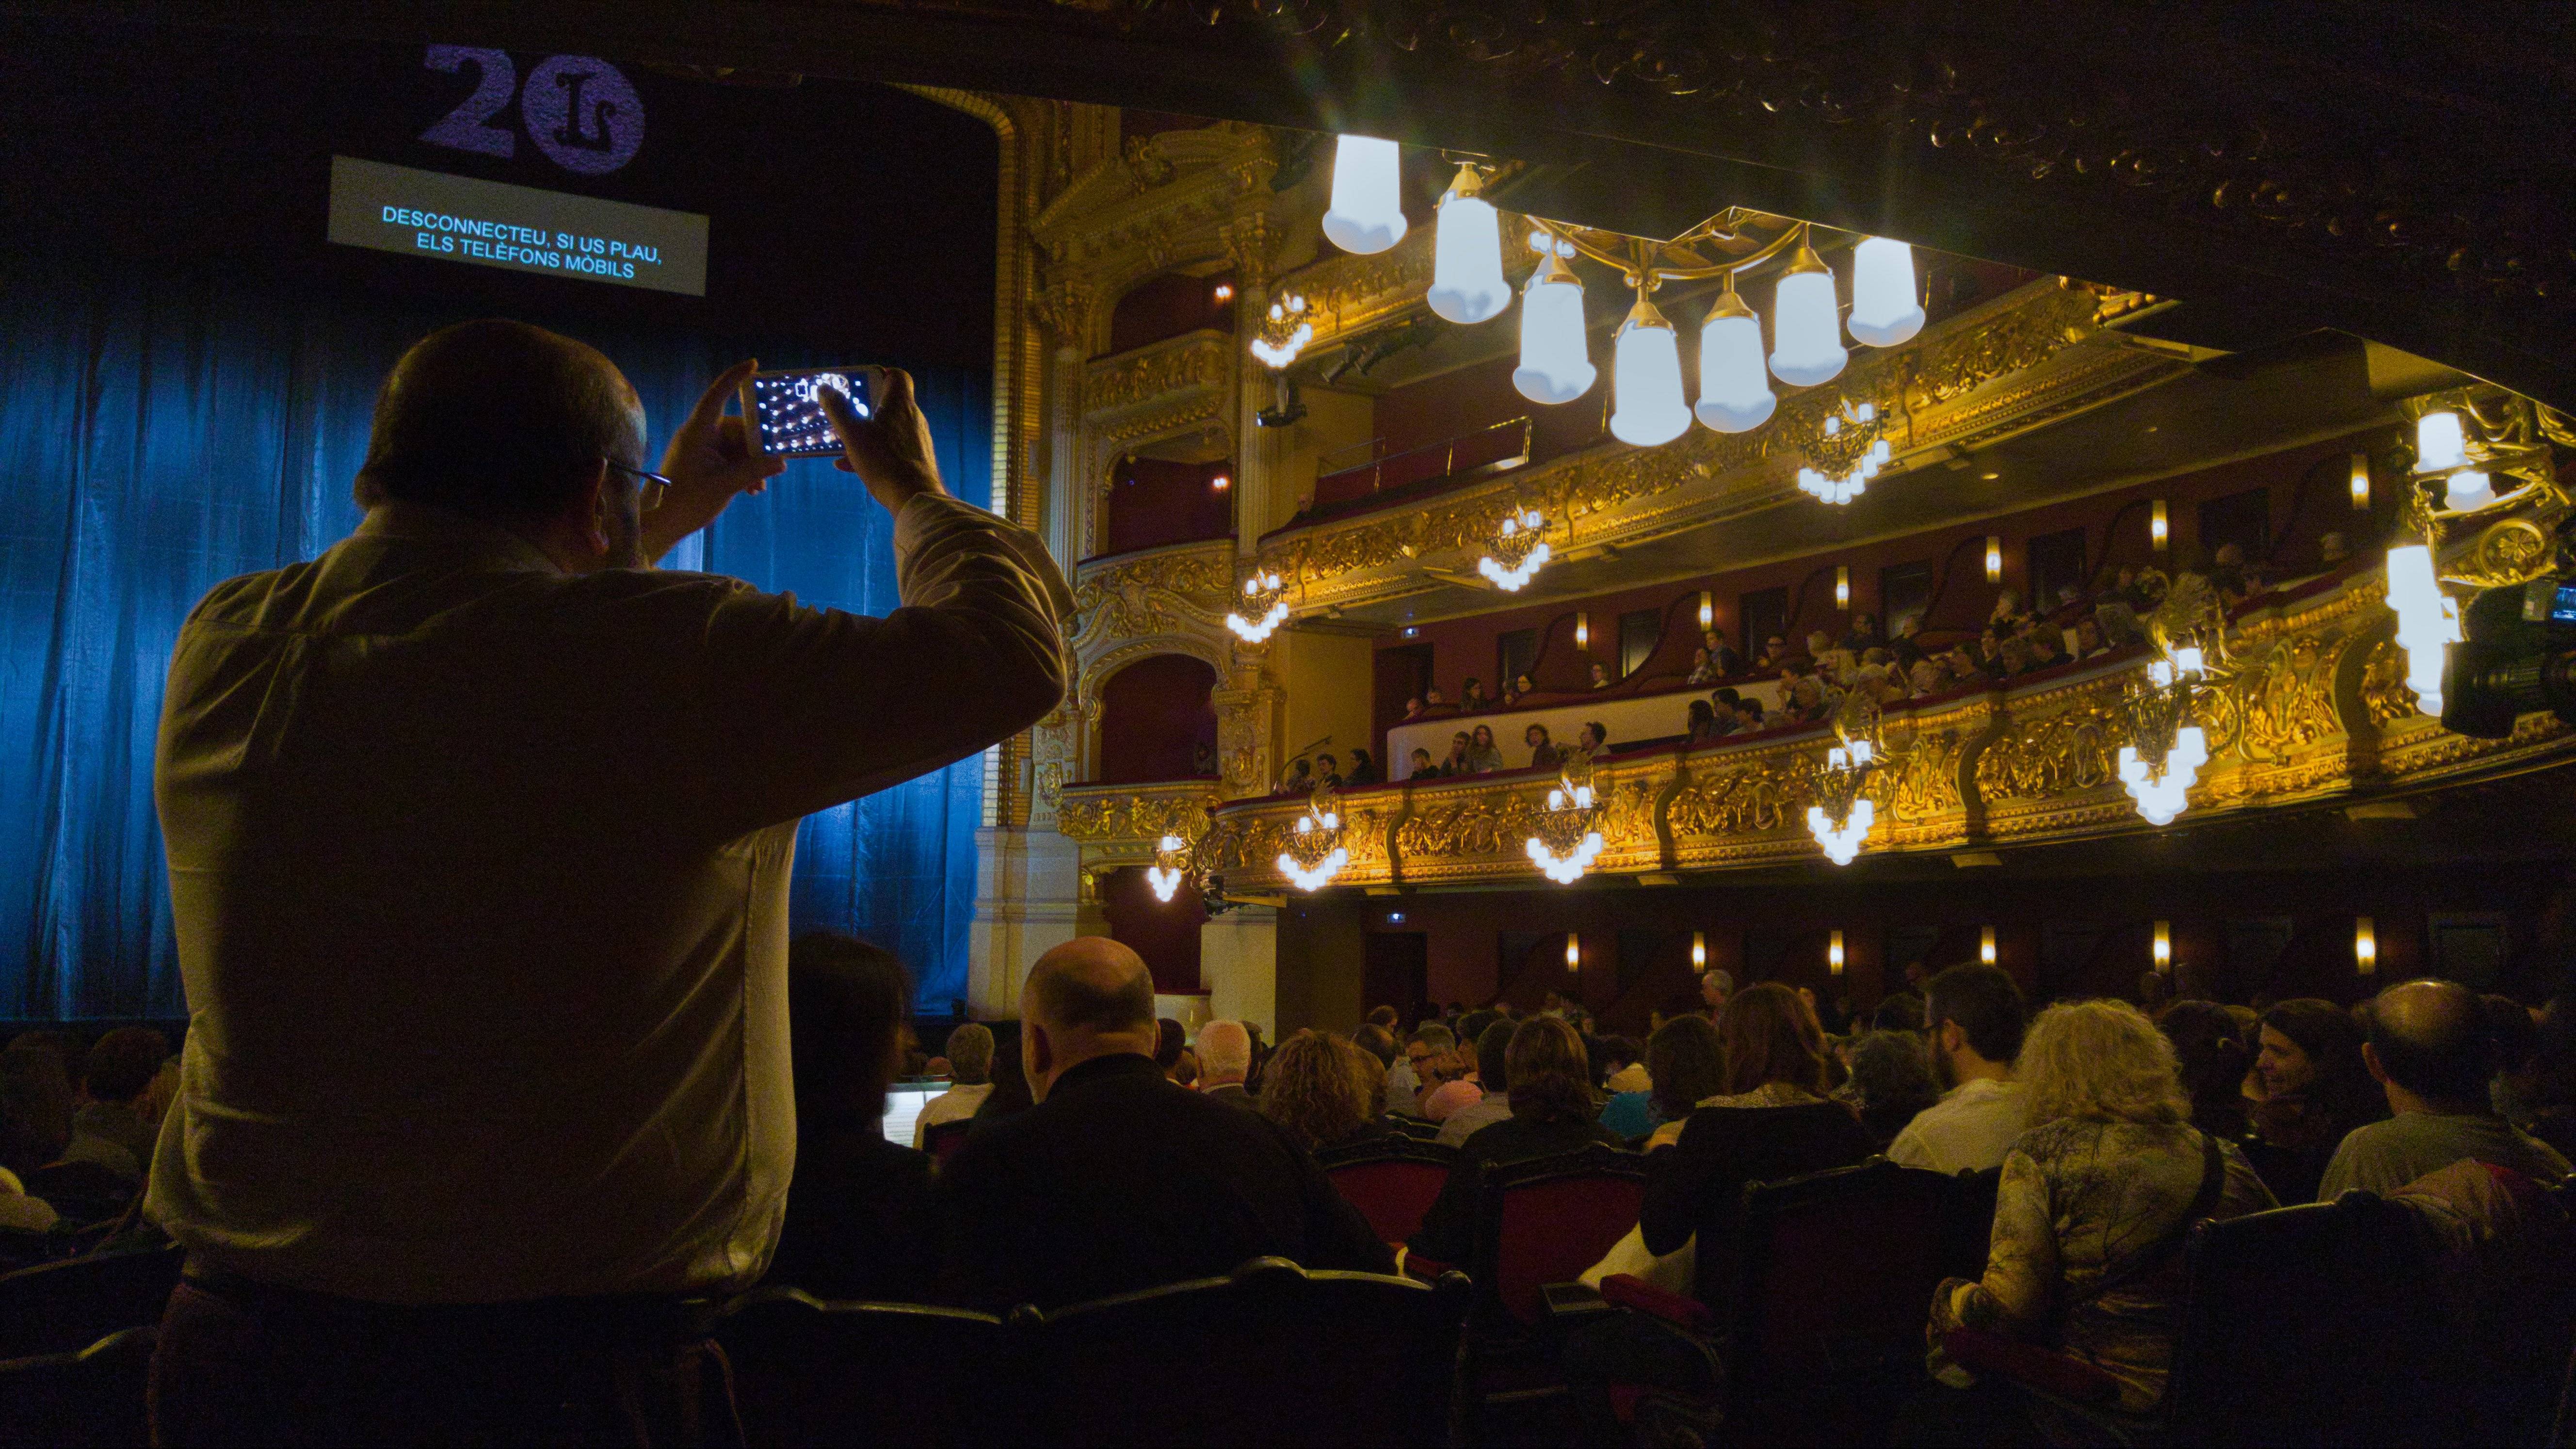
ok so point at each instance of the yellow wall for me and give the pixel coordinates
(1326, 679)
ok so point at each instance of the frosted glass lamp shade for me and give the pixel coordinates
(1806, 335)
(1555, 364)
(1367, 215)
(2439, 443)
(1467, 283)
(1646, 403)
(1884, 310)
(1734, 393)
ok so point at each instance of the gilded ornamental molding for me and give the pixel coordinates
(1163, 376)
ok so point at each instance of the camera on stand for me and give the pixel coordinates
(2519, 655)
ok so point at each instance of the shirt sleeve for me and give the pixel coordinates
(1910, 1149)
(812, 707)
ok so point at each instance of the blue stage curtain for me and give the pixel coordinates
(161, 433)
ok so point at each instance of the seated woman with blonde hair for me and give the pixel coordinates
(2097, 1199)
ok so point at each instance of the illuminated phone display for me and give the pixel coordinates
(786, 408)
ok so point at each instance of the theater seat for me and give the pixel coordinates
(92, 1397)
(65, 1307)
(1546, 1220)
(1270, 1354)
(807, 1371)
(1392, 1181)
(942, 1139)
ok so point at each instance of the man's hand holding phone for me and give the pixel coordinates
(710, 461)
(890, 451)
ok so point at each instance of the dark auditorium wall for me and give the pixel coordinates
(1153, 502)
(1165, 933)
(1155, 718)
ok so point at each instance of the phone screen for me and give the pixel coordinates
(788, 411)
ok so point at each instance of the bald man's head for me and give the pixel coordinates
(1225, 1053)
(499, 421)
(1091, 984)
(2430, 1037)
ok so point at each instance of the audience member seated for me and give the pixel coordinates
(1703, 669)
(1716, 987)
(1684, 1065)
(1483, 755)
(1300, 777)
(1592, 740)
(1493, 1077)
(1891, 1081)
(1010, 1095)
(2213, 1061)
(1408, 1081)
(1328, 771)
(1600, 677)
(1623, 1066)
(1363, 770)
(857, 1208)
(2097, 1199)
(1976, 1017)
(1544, 754)
(1225, 1062)
(1421, 766)
(1522, 685)
(1378, 1040)
(1449, 1099)
(970, 1070)
(35, 1125)
(1314, 1091)
(117, 1101)
(2308, 1089)
(1700, 725)
(2547, 1090)
(1552, 1112)
(1461, 759)
(1472, 696)
(1722, 657)
(1118, 1180)
(2429, 1048)
(1770, 1120)
(1171, 1039)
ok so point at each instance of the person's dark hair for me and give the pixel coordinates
(123, 1062)
(846, 1004)
(1010, 1095)
(2443, 1055)
(496, 420)
(1687, 1064)
(1549, 1072)
(970, 1054)
(1493, 1049)
(1384, 1016)
(1377, 1041)
(1901, 1012)
(1771, 1036)
(1891, 1073)
(2511, 1033)
(35, 1108)
(1169, 1038)
(1471, 1027)
(2212, 1057)
(1620, 1051)
(1985, 1004)
(2343, 1088)
(1600, 732)
(1435, 1036)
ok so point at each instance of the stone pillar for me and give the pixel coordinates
(1239, 962)
(1027, 888)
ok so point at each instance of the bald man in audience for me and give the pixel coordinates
(1118, 1179)
(2427, 1044)
(1225, 1059)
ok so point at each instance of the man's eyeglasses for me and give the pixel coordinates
(650, 488)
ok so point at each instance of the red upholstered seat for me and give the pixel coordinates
(1546, 1220)
(1393, 1182)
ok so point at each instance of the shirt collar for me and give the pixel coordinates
(1976, 1087)
(424, 523)
(1101, 1069)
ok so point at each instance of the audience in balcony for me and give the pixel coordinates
(1544, 755)
(1890, 1082)
(1493, 1081)
(1600, 676)
(1722, 656)
(1552, 1111)
(2432, 1052)
(1703, 668)
(1472, 696)
(1592, 740)
(1862, 635)
(1483, 756)
(1299, 778)
(970, 1071)
(1521, 685)
(1461, 759)
(1328, 771)
(858, 1223)
(1363, 770)
(1975, 1014)
(1117, 1180)
(2309, 1088)
(2097, 1198)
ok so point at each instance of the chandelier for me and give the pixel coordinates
(1841, 817)
(1285, 333)
(1649, 406)
(1171, 858)
(2163, 760)
(1569, 834)
(1265, 605)
(1852, 448)
(1518, 551)
(1315, 854)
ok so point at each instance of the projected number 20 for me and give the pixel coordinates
(579, 110)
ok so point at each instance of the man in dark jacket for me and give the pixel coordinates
(1117, 1179)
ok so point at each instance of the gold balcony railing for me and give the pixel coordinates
(1122, 824)
(2318, 709)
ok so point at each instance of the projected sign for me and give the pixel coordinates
(460, 219)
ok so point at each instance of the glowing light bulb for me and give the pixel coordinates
(1834, 952)
(2365, 946)
(1467, 283)
(1842, 587)
(1555, 365)
(1367, 215)
(2427, 622)
(1806, 335)
(1884, 310)
(2360, 481)
(1994, 559)
(1707, 610)
(1573, 951)
(1986, 944)
(1734, 393)
(2469, 488)
(2439, 442)
(1647, 407)
(1699, 950)
(2161, 948)
(2159, 526)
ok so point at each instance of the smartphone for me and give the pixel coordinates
(786, 408)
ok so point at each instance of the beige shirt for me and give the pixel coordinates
(1968, 1130)
(954, 1105)
(479, 874)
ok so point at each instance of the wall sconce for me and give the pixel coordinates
(1986, 944)
(1994, 559)
(1707, 610)
(1699, 950)
(1573, 952)
(1225, 291)
(2365, 946)
(2163, 947)
(2159, 531)
(1842, 587)
(1582, 630)
(2361, 482)
(1220, 482)
(1834, 952)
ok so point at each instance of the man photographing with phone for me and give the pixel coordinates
(479, 835)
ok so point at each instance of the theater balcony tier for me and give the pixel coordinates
(2313, 709)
